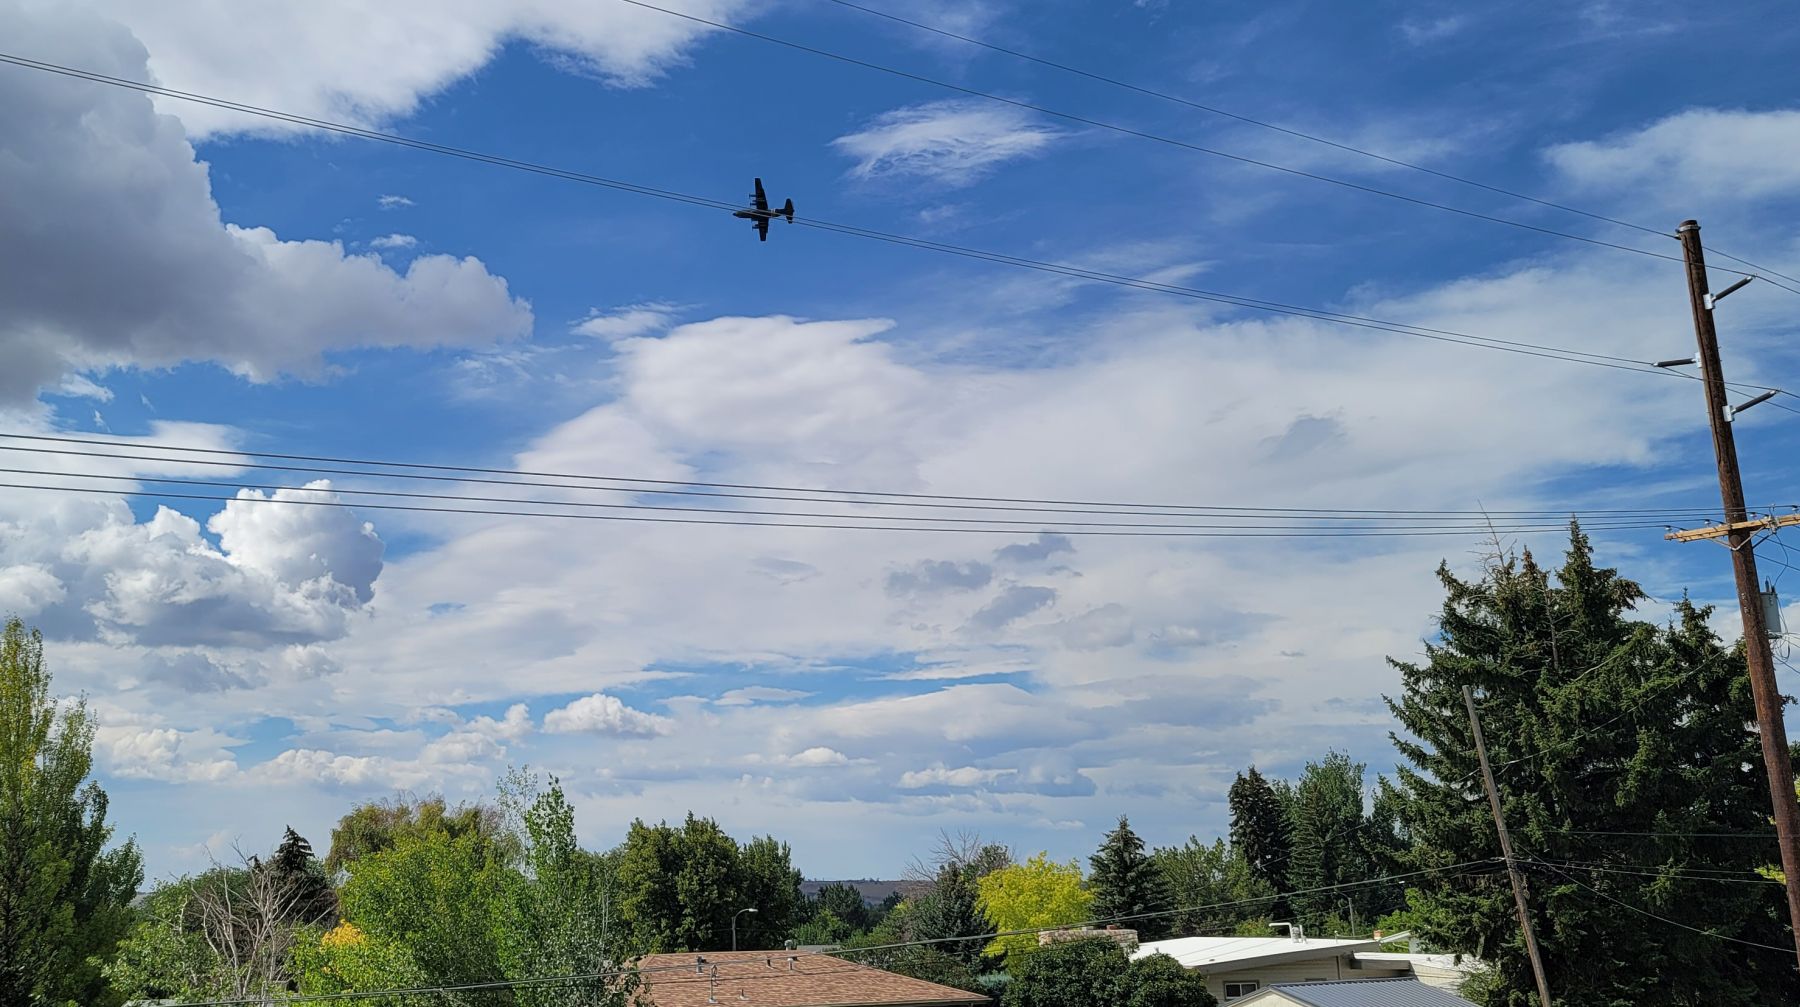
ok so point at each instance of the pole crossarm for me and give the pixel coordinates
(1729, 528)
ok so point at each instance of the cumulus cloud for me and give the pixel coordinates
(1012, 604)
(954, 142)
(1043, 547)
(117, 255)
(514, 725)
(29, 588)
(393, 202)
(161, 753)
(289, 574)
(394, 241)
(935, 575)
(940, 776)
(603, 714)
(349, 61)
(818, 756)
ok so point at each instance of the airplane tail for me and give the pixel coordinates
(788, 211)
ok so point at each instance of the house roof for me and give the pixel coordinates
(1356, 993)
(1424, 964)
(783, 979)
(1225, 954)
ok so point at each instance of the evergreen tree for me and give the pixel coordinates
(63, 895)
(303, 879)
(843, 902)
(1218, 877)
(1330, 848)
(1128, 883)
(950, 910)
(1596, 723)
(1260, 830)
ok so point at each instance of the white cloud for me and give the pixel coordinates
(817, 756)
(955, 142)
(627, 322)
(281, 574)
(1715, 154)
(759, 694)
(27, 589)
(120, 258)
(939, 776)
(515, 725)
(603, 714)
(393, 202)
(394, 241)
(344, 60)
(161, 753)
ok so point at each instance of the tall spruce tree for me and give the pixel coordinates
(1262, 832)
(63, 896)
(1619, 745)
(1331, 850)
(303, 879)
(1128, 883)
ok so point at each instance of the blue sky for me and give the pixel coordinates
(184, 275)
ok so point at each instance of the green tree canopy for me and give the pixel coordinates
(1096, 973)
(1596, 723)
(679, 886)
(845, 903)
(1332, 849)
(301, 875)
(377, 826)
(1215, 879)
(433, 898)
(771, 885)
(64, 896)
(1036, 894)
(1127, 883)
(1261, 830)
(948, 911)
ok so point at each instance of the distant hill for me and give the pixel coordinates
(874, 892)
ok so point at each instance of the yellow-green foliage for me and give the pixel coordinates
(1036, 894)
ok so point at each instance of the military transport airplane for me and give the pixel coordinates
(760, 214)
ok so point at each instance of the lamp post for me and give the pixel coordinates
(734, 917)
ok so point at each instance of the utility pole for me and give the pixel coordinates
(1738, 531)
(1512, 867)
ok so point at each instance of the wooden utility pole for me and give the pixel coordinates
(1512, 867)
(1738, 532)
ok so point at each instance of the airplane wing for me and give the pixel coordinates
(762, 229)
(762, 200)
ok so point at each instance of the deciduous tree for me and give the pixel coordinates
(1038, 893)
(63, 894)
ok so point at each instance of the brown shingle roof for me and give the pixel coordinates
(783, 979)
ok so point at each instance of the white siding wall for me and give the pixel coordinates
(1296, 972)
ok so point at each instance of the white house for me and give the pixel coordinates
(1236, 967)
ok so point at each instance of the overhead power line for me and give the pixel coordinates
(754, 519)
(161, 453)
(1641, 911)
(1061, 269)
(1276, 127)
(1158, 138)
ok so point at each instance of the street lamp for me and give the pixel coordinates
(734, 917)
